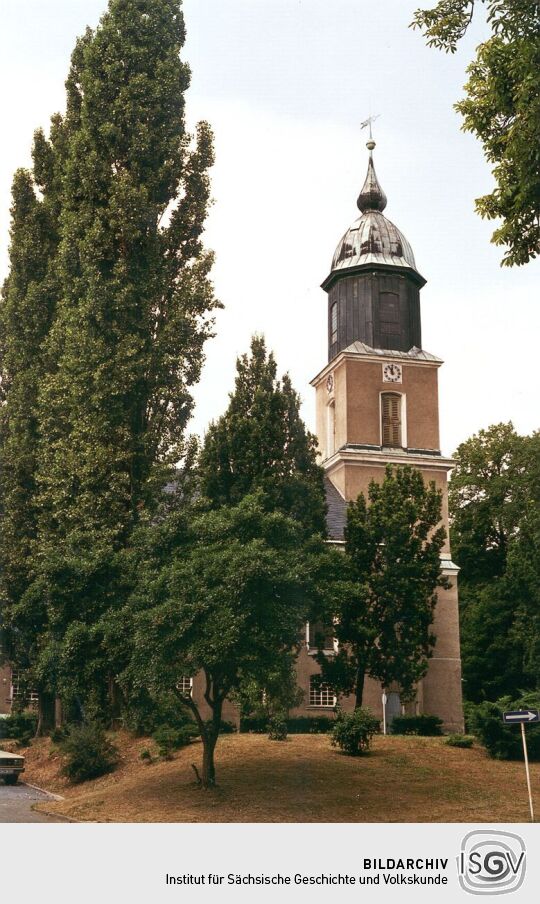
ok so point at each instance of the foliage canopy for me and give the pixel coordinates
(502, 108)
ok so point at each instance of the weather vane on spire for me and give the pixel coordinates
(368, 122)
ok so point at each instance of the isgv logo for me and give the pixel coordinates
(491, 862)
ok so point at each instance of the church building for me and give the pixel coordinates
(377, 403)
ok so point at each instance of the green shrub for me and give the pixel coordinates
(88, 752)
(459, 740)
(503, 742)
(145, 713)
(277, 729)
(170, 739)
(254, 724)
(310, 724)
(224, 727)
(19, 726)
(295, 724)
(352, 732)
(425, 726)
(58, 735)
(146, 756)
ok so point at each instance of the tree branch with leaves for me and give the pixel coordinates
(502, 108)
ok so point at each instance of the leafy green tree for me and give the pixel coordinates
(494, 496)
(132, 310)
(261, 443)
(228, 599)
(502, 108)
(273, 697)
(382, 618)
(524, 565)
(27, 311)
(484, 501)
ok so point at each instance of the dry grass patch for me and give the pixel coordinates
(404, 779)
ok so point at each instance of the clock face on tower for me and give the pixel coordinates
(391, 373)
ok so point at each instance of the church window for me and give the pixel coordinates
(333, 324)
(185, 686)
(21, 694)
(320, 694)
(317, 632)
(391, 419)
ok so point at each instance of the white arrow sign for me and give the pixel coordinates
(522, 715)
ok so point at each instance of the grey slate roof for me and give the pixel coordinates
(336, 517)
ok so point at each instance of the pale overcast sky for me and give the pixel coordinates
(285, 85)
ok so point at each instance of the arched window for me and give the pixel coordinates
(391, 419)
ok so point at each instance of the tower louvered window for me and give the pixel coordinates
(391, 419)
(333, 324)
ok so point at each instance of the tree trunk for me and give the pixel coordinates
(208, 778)
(45, 713)
(209, 736)
(360, 678)
(58, 713)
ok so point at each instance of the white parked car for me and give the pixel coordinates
(11, 766)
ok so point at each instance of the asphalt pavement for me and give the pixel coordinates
(16, 802)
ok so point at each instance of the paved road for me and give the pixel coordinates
(16, 804)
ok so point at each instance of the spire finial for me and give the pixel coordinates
(372, 196)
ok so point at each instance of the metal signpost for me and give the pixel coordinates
(384, 699)
(523, 717)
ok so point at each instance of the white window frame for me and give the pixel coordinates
(185, 684)
(313, 650)
(403, 412)
(14, 690)
(319, 692)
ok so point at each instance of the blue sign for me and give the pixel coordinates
(521, 715)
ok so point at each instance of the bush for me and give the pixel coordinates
(425, 726)
(224, 727)
(145, 714)
(277, 729)
(352, 732)
(503, 742)
(19, 726)
(171, 739)
(146, 756)
(459, 740)
(310, 724)
(58, 735)
(295, 725)
(88, 752)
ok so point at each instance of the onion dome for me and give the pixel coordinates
(372, 239)
(372, 196)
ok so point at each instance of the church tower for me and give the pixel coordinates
(377, 403)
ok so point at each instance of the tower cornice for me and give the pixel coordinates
(414, 358)
(428, 459)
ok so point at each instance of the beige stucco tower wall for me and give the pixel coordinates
(349, 394)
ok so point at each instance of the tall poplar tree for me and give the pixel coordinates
(29, 297)
(132, 311)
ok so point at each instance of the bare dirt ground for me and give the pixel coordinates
(403, 779)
